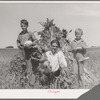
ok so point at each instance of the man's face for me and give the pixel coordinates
(24, 27)
(54, 47)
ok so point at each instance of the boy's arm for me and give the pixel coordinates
(82, 48)
(19, 45)
(84, 45)
(73, 48)
(34, 40)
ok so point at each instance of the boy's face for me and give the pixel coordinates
(23, 26)
(78, 35)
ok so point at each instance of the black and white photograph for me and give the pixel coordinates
(51, 46)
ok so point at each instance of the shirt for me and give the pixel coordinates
(56, 60)
(79, 54)
(25, 36)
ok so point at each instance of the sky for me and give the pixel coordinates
(66, 15)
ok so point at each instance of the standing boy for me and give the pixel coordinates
(26, 50)
(78, 48)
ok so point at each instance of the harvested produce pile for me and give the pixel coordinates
(51, 31)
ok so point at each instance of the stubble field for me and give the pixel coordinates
(6, 55)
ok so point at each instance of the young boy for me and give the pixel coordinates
(78, 48)
(26, 50)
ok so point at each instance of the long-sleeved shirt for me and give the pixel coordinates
(56, 60)
(78, 54)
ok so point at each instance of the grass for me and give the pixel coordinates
(92, 65)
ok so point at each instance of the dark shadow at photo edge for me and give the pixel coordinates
(93, 94)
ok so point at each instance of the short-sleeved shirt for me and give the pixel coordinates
(79, 54)
(25, 36)
(56, 60)
(22, 38)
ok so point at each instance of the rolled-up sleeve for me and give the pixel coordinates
(62, 59)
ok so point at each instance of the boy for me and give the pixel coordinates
(26, 50)
(78, 48)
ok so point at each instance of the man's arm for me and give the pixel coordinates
(43, 58)
(62, 59)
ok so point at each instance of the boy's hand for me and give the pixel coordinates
(78, 48)
(27, 46)
(21, 46)
(35, 42)
(75, 49)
